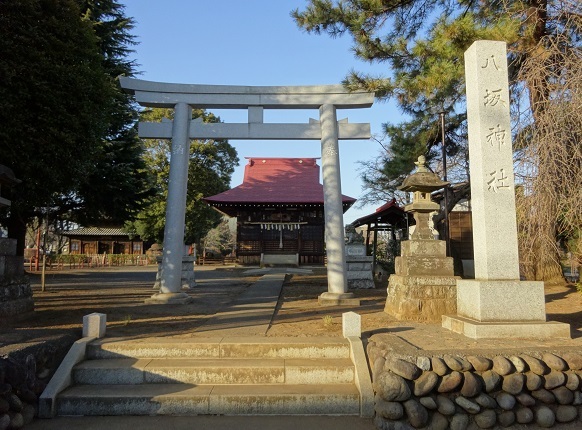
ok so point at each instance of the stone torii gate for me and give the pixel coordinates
(183, 97)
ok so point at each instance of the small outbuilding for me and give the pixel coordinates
(389, 217)
(100, 240)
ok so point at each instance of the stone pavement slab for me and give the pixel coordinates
(252, 311)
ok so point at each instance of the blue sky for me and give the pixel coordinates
(255, 42)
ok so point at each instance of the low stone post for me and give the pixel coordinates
(94, 325)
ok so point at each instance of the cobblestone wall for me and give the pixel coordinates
(475, 391)
(24, 374)
(15, 297)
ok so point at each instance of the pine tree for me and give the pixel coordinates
(422, 44)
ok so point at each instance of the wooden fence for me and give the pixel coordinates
(73, 261)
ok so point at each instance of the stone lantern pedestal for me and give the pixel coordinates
(358, 264)
(15, 292)
(424, 286)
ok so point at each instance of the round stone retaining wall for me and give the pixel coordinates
(24, 373)
(453, 391)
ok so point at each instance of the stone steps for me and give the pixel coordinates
(232, 376)
(212, 371)
(188, 399)
(227, 347)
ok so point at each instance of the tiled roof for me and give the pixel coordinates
(96, 231)
(277, 180)
(386, 206)
(388, 213)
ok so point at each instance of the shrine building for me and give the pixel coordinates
(279, 211)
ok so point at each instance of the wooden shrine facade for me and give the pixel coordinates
(284, 230)
(279, 210)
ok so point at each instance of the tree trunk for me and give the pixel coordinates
(549, 270)
(545, 261)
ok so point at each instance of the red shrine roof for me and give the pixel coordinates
(277, 181)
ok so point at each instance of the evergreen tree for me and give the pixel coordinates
(120, 183)
(211, 165)
(219, 239)
(422, 43)
(71, 136)
(54, 103)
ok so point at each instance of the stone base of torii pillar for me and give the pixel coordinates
(338, 299)
(169, 299)
(188, 281)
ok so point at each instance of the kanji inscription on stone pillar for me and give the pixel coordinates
(491, 162)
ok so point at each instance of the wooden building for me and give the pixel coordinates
(460, 230)
(279, 211)
(461, 235)
(390, 218)
(97, 240)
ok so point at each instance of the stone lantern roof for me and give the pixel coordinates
(422, 183)
(422, 180)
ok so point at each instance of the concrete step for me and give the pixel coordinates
(213, 376)
(189, 399)
(222, 347)
(215, 371)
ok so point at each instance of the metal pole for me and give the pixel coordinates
(37, 254)
(375, 250)
(446, 189)
(42, 277)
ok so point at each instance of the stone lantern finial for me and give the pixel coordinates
(421, 164)
(7, 178)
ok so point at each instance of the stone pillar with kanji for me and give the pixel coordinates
(496, 304)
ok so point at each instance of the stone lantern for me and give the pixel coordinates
(424, 286)
(14, 284)
(422, 184)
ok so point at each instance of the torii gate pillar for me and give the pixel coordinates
(173, 249)
(337, 283)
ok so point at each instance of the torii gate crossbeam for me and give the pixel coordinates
(183, 97)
